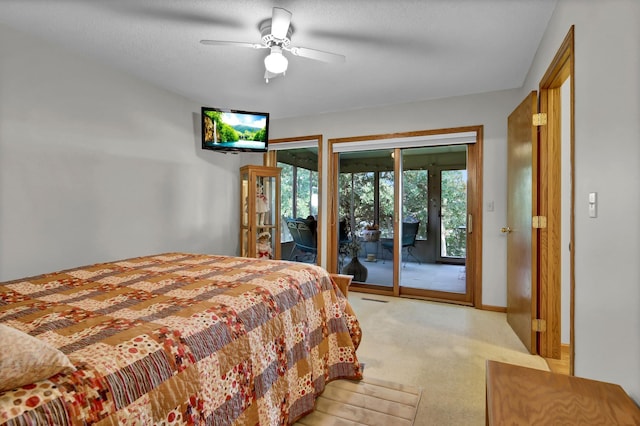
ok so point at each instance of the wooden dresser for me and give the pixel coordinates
(526, 396)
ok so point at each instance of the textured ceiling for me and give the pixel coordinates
(397, 51)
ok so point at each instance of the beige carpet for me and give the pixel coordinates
(440, 348)
(369, 402)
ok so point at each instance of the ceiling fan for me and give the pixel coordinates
(276, 35)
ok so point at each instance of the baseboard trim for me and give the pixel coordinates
(502, 309)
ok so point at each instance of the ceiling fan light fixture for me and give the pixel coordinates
(276, 62)
(276, 36)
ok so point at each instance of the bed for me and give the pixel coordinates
(174, 338)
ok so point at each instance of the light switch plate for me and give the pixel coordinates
(593, 204)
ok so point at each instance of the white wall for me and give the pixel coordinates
(490, 110)
(607, 161)
(96, 165)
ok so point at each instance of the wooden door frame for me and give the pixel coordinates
(270, 158)
(549, 202)
(474, 211)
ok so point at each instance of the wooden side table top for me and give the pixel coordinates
(525, 396)
(343, 282)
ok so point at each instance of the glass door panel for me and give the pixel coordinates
(365, 216)
(415, 216)
(453, 215)
(299, 200)
(434, 199)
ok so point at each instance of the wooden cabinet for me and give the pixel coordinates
(525, 396)
(260, 212)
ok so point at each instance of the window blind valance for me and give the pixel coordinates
(406, 142)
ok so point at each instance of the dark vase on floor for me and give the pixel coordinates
(357, 269)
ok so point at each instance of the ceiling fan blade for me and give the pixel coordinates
(280, 21)
(318, 55)
(233, 43)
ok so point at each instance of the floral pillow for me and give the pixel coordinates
(26, 359)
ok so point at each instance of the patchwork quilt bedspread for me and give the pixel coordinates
(182, 338)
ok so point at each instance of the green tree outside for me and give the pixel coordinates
(454, 212)
(356, 203)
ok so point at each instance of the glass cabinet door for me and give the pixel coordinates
(244, 214)
(260, 212)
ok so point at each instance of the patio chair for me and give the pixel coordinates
(304, 238)
(409, 233)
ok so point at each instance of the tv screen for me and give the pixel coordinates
(232, 130)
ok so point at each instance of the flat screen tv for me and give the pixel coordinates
(233, 130)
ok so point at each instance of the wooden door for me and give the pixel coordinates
(521, 241)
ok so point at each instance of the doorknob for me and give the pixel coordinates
(505, 230)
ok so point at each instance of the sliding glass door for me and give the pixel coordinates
(419, 251)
